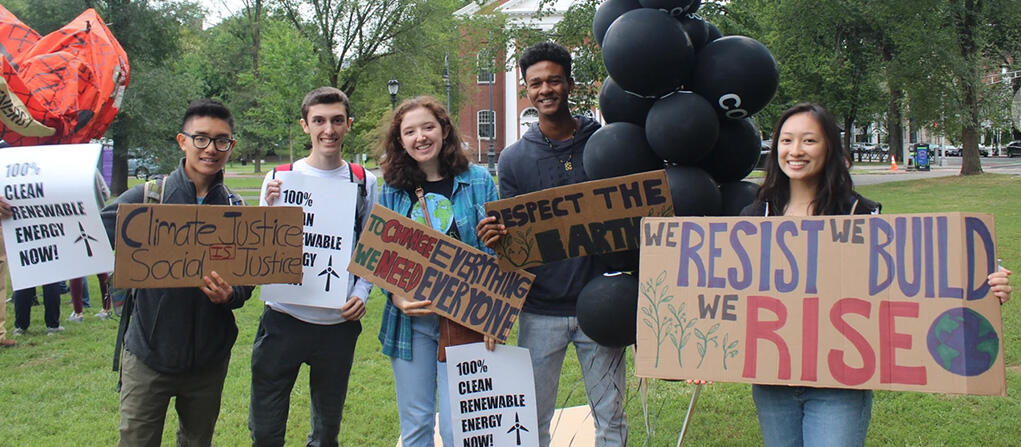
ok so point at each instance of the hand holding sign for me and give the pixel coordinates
(999, 284)
(216, 288)
(489, 231)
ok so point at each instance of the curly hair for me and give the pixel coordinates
(835, 184)
(399, 169)
(545, 51)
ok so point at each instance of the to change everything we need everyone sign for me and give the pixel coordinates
(896, 302)
(464, 284)
(329, 213)
(55, 231)
(596, 217)
(175, 245)
(492, 396)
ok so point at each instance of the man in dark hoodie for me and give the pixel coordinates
(178, 341)
(550, 155)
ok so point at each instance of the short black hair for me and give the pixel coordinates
(325, 95)
(545, 51)
(206, 107)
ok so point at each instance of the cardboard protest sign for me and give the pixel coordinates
(596, 217)
(175, 245)
(895, 302)
(55, 232)
(329, 215)
(492, 396)
(464, 284)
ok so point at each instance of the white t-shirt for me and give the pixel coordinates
(360, 287)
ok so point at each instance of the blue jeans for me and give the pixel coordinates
(421, 384)
(603, 368)
(797, 416)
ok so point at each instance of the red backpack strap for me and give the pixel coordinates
(282, 168)
(358, 171)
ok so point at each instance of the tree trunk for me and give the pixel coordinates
(119, 176)
(848, 127)
(965, 22)
(894, 123)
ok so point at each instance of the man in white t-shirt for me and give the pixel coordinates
(292, 334)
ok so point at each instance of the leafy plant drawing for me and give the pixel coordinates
(682, 324)
(705, 339)
(518, 247)
(655, 292)
(729, 349)
(664, 211)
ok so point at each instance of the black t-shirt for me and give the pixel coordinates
(441, 208)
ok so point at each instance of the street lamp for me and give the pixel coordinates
(446, 79)
(393, 86)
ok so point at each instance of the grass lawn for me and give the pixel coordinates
(59, 391)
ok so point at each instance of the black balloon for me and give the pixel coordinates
(647, 52)
(737, 75)
(697, 29)
(736, 152)
(713, 32)
(618, 149)
(618, 105)
(736, 196)
(676, 8)
(607, 13)
(608, 309)
(621, 261)
(682, 128)
(694, 191)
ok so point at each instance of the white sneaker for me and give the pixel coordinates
(103, 314)
(54, 330)
(76, 317)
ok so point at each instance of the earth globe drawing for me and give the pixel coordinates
(442, 212)
(963, 342)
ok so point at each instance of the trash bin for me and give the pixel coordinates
(922, 157)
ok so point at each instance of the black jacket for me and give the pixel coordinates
(178, 330)
(859, 203)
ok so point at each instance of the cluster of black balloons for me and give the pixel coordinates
(680, 95)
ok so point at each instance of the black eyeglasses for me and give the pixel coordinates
(223, 144)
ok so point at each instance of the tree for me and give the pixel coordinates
(286, 75)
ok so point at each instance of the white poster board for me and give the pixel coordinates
(329, 207)
(492, 396)
(56, 232)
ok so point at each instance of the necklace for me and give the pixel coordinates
(568, 165)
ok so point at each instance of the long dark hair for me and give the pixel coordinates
(399, 169)
(835, 185)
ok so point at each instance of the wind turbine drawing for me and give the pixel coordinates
(517, 428)
(83, 236)
(328, 271)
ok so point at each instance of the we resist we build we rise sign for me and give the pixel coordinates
(894, 302)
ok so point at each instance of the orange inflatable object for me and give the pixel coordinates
(63, 88)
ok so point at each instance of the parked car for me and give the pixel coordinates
(142, 166)
(952, 151)
(983, 151)
(1013, 148)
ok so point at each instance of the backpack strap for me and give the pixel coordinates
(152, 191)
(357, 171)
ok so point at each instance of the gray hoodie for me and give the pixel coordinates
(530, 165)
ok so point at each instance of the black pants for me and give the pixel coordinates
(282, 344)
(23, 306)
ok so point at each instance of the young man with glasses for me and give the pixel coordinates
(178, 340)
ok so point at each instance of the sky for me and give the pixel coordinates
(220, 9)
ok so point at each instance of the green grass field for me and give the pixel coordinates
(59, 391)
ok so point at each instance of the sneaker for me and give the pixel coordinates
(103, 314)
(19, 331)
(54, 330)
(76, 317)
(7, 343)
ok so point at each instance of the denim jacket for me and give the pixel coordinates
(472, 189)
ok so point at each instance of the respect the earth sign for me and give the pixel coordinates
(895, 302)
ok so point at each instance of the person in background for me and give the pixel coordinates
(80, 286)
